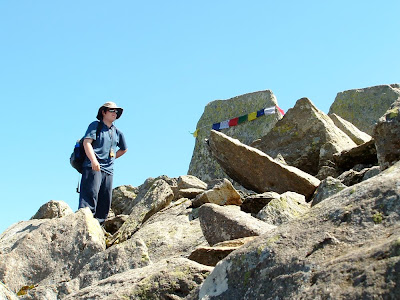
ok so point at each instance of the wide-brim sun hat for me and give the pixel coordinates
(109, 105)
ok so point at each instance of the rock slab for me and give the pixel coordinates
(224, 223)
(256, 170)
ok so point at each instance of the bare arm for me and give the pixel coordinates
(87, 145)
(121, 152)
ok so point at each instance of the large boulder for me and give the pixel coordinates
(189, 186)
(156, 196)
(123, 199)
(49, 252)
(328, 187)
(132, 254)
(223, 223)
(115, 260)
(53, 209)
(346, 247)
(256, 170)
(221, 193)
(203, 165)
(172, 232)
(167, 279)
(167, 234)
(281, 210)
(306, 138)
(364, 107)
(387, 136)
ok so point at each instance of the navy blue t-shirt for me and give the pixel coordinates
(108, 138)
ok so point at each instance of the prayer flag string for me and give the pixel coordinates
(242, 119)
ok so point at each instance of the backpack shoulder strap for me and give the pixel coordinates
(98, 130)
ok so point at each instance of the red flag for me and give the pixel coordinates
(233, 122)
(280, 110)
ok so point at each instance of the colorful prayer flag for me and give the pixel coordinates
(280, 110)
(216, 126)
(233, 122)
(242, 119)
(224, 124)
(269, 110)
(239, 120)
(252, 116)
(260, 113)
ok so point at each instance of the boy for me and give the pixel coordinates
(98, 167)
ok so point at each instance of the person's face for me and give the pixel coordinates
(110, 115)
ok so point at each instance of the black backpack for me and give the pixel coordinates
(78, 155)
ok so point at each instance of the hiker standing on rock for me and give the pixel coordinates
(101, 141)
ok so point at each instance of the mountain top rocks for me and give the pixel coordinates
(267, 229)
(333, 245)
(203, 165)
(256, 170)
(363, 107)
(306, 138)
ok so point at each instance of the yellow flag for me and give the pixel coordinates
(252, 116)
(195, 133)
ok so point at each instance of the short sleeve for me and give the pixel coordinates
(121, 141)
(91, 131)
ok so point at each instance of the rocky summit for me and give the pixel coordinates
(301, 207)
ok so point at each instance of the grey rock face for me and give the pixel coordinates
(352, 131)
(171, 232)
(167, 279)
(364, 107)
(328, 187)
(123, 199)
(257, 171)
(306, 138)
(351, 239)
(387, 136)
(10, 237)
(223, 223)
(132, 254)
(157, 196)
(53, 209)
(281, 210)
(48, 253)
(203, 165)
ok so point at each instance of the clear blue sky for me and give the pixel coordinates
(163, 61)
